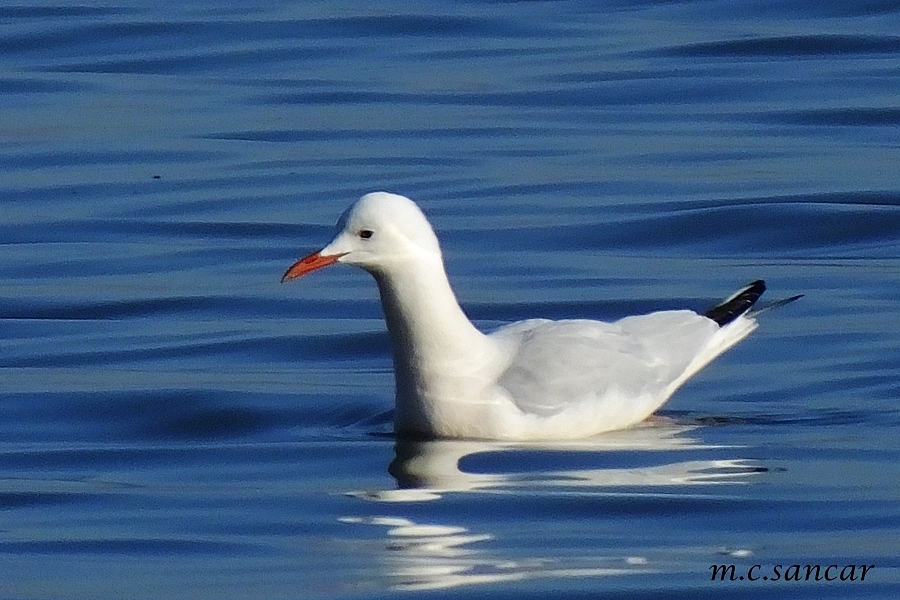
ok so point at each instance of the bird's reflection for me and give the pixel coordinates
(425, 553)
(426, 470)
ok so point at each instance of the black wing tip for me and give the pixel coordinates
(759, 283)
(737, 304)
(776, 304)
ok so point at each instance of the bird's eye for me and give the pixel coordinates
(365, 233)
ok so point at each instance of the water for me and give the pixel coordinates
(174, 423)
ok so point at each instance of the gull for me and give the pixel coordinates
(527, 381)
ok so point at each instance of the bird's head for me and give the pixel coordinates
(379, 231)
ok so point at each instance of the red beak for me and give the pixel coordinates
(309, 264)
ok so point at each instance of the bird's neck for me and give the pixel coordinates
(436, 348)
(423, 317)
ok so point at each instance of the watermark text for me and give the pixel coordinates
(790, 572)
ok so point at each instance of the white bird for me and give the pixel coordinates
(531, 380)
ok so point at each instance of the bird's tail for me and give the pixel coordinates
(773, 304)
(732, 329)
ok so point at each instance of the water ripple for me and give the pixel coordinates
(837, 117)
(796, 45)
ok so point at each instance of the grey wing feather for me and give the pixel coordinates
(558, 363)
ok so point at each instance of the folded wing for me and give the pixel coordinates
(630, 363)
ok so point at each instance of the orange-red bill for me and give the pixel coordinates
(307, 265)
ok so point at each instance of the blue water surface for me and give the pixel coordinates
(174, 423)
